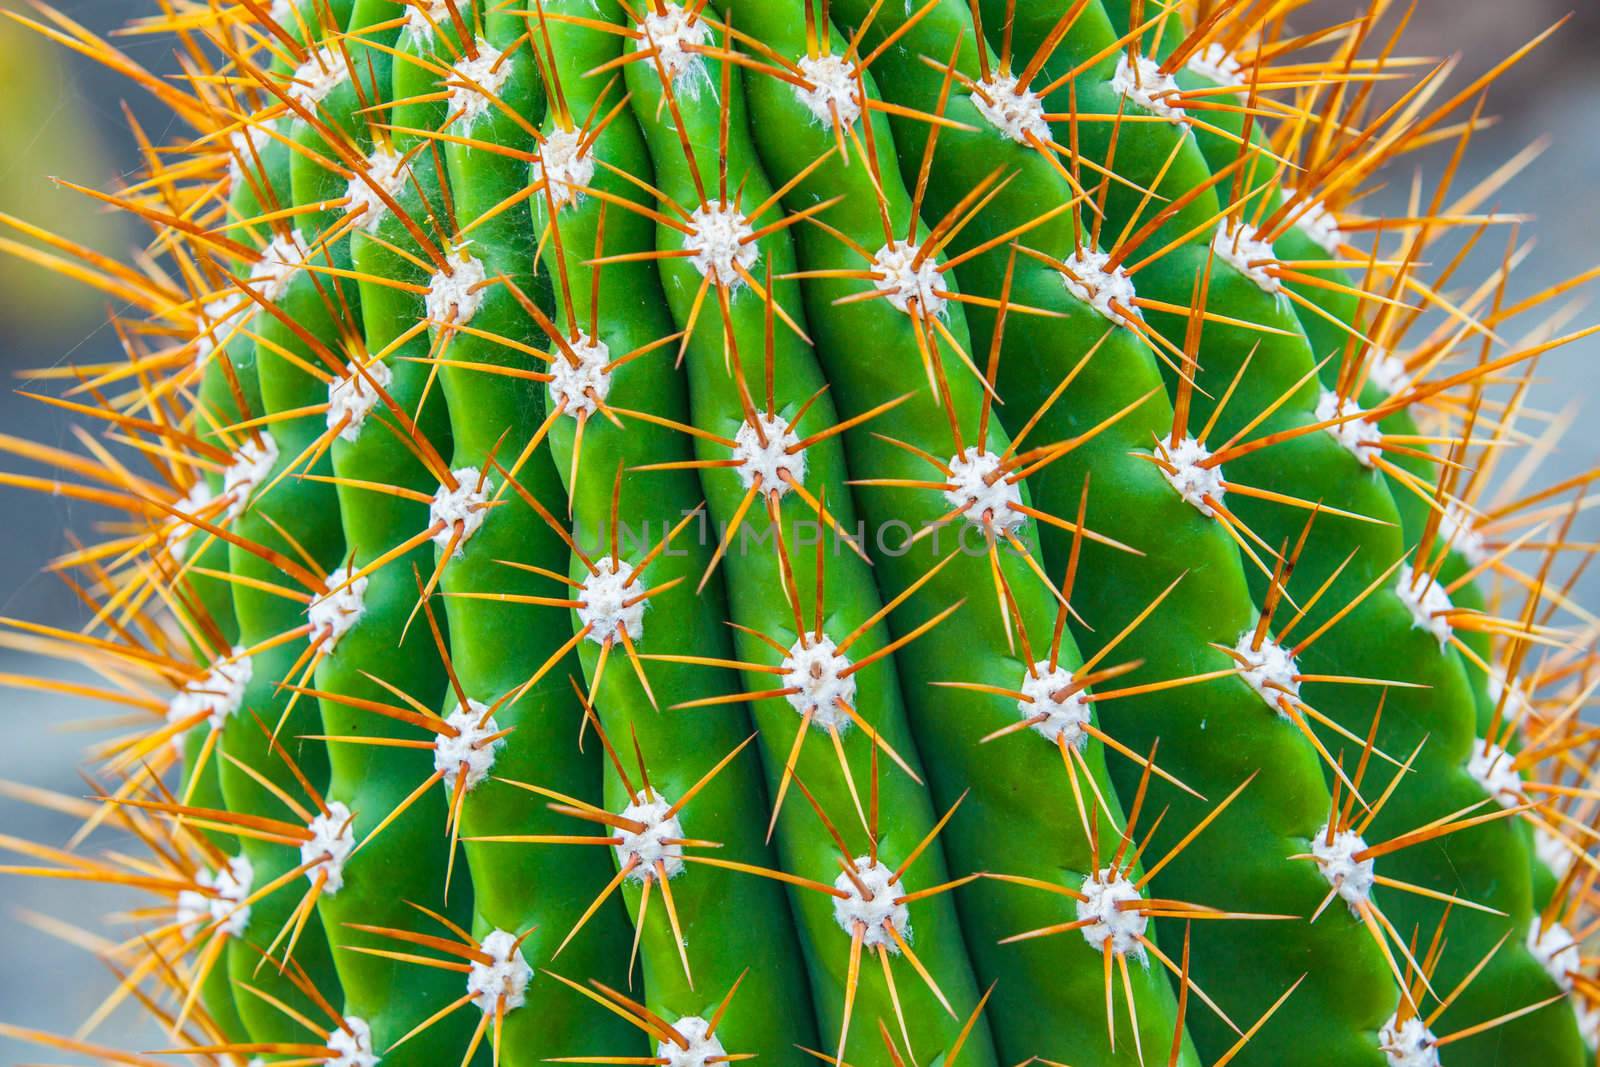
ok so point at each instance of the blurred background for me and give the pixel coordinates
(64, 116)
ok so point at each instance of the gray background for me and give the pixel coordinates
(75, 128)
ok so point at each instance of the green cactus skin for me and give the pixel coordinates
(1212, 757)
(680, 751)
(851, 599)
(558, 389)
(1380, 641)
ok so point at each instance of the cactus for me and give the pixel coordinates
(858, 531)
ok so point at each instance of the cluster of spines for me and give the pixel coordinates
(718, 281)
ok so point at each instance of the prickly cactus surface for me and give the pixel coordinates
(873, 532)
